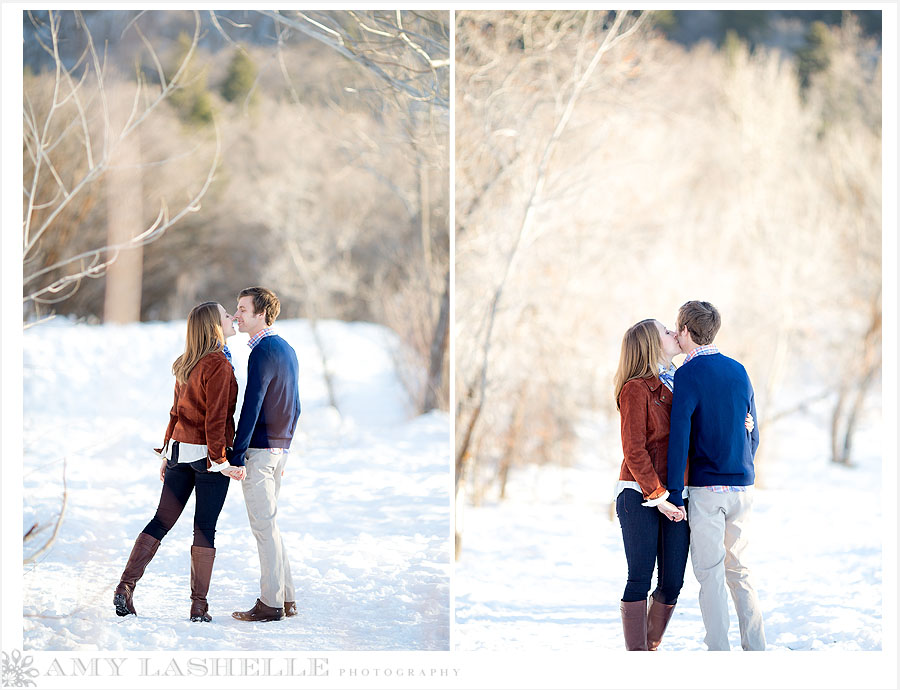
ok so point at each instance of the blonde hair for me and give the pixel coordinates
(641, 354)
(204, 335)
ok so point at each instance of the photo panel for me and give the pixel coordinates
(250, 208)
(614, 169)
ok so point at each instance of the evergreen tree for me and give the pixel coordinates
(193, 99)
(749, 25)
(240, 78)
(814, 57)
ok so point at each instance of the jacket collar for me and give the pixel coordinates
(652, 383)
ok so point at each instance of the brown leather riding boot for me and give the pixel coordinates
(202, 558)
(142, 553)
(657, 619)
(634, 624)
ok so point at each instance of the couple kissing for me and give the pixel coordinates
(202, 452)
(689, 438)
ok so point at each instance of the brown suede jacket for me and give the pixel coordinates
(645, 406)
(203, 411)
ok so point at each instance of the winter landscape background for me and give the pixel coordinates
(608, 172)
(816, 553)
(364, 507)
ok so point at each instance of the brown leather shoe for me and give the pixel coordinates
(142, 553)
(634, 624)
(202, 558)
(657, 619)
(290, 609)
(260, 612)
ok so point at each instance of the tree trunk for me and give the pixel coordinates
(853, 417)
(859, 377)
(836, 416)
(425, 219)
(124, 211)
(463, 460)
(438, 353)
(512, 437)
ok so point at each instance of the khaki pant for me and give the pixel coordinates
(718, 540)
(261, 488)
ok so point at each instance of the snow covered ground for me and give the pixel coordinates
(545, 569)
(364, 507)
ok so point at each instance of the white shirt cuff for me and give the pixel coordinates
(653, 502)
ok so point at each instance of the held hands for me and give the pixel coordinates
(237, 473)
(748, 423)
(671, 511)
(232, 471)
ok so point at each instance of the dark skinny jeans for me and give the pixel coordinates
(652, 539)
(180, 480)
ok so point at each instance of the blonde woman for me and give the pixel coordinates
(653, 530)
(644, 388)
(201, 431)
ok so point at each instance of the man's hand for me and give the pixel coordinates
(671, 511)
(748, 423)
(237, 473)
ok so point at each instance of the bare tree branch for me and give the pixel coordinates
(37, 529)
(96, 268)
(314, 25)
(524, 235)
(93, 262)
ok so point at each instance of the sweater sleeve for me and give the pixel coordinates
(173, 419)
(754, 435)
(633, 413)
(259, 375)
(217, 390)
(684, 402)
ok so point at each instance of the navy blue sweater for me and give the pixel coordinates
(712, 397)
(272, 399)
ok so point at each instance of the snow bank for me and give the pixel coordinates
(364, 508)
(816, 554)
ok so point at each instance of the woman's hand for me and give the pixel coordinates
(748, 423)
(237, 473)
(671, 511)
(162, 470)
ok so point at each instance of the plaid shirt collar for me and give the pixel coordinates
(667, 376)
(702, 350)
(254, 341)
